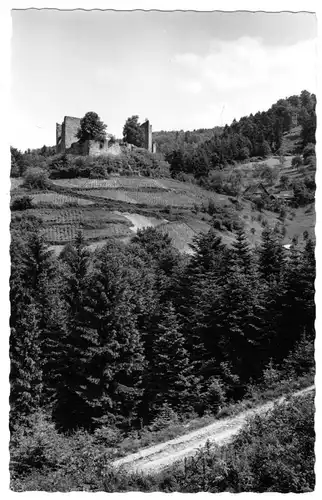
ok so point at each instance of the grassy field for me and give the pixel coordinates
(113, 182)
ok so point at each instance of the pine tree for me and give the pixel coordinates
(271, 257)
(31, 293)
(169, 381)
(238, 322)
(241, 251)
(26, 367)
(297, 303)
(177, 163)
(104, 355)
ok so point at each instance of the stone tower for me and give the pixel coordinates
(147, 132)
(66, 133)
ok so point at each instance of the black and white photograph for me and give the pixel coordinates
(162, 250)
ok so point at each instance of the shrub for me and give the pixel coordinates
(282, 214)
(311, 161)
(273, 453)
(266, 173)
(216, 181)
(309, 182)
(271, 375)
(23, 203)
(301, 359)
(308, 152)
(215, 396)
(36, 179)
(297, 161)
(165, 416)
(284, 181)
(43, 459)
(302, 195)
(223, 217)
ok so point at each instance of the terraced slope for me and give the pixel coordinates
(117, 207)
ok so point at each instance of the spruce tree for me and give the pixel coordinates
(26, 376)
(271, 257)
(297, 303)
(70, 348)
(237, 321)
(31, 295)
(241, 251)
(104, 354)
(169, 380)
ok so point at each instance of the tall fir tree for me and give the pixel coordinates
(241, 251)
(271, 256)
(32, 292)
(169, 380)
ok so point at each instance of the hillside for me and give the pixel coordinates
(118, 206)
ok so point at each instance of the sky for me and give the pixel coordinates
(182, 70)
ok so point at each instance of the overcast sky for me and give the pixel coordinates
(182, 70)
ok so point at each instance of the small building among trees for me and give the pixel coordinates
(256, 191)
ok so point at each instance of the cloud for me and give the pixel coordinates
(247, 63)
(106, 74)
(189, 86)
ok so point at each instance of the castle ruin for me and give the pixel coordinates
(67, 141)
(66, 133)
(146, 128)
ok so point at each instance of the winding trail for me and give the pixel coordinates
(160, 456)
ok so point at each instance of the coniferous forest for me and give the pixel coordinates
(115, 342)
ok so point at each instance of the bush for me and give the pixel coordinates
(266, 173)
(297, 161)
(23, 203)
(139, 161)
(308, 152)
(165, 416)
(301, 359)
(43, 459)
(223, 217)
(302, 195)
(310, 161)
(273, 453)
(215, 396)
(284, 181)
(36, 179)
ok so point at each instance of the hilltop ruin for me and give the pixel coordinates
(67, 142)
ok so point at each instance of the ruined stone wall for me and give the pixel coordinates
(71, 126)
(67, 142)
(147, 132)
(58, 137)
(66, 133)
(78, 149)
(96, 148)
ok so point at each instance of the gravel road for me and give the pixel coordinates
(160, 456)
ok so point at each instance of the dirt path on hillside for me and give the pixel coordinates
(160, 456)
(140, 221)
